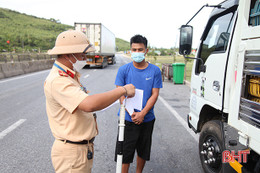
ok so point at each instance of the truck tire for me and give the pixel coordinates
(211, 146)
(86, 66)
(104, 63)
(112, 61)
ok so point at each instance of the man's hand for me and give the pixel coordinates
(137, 117)
(130, 90)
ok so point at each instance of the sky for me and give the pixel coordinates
(158, 20)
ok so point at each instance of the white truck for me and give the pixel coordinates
(225, 87)
(104, 42)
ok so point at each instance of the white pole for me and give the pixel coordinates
(120, 139)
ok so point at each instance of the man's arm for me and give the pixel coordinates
(138, 117)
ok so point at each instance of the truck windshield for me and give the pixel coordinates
(217, 37)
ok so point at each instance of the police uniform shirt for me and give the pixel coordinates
(63, 95)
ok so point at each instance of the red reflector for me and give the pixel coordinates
(96, 56)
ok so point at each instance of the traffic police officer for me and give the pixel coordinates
(69, 107)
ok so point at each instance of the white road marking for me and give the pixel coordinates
(86, 76)
(179, 118)
(24, 76)
(95, 70)
(11, 128)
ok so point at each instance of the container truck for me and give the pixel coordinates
(104, 42)
(225, 87)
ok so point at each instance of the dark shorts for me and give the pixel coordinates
(139, 138)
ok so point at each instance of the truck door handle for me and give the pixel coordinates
(216, 85)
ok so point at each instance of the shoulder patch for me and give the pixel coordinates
(62, 73)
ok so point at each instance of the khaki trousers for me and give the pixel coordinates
(71, 158)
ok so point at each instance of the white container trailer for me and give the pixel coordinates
(103, 40)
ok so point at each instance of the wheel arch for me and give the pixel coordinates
(208, 113)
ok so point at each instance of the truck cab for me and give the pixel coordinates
(225, 85)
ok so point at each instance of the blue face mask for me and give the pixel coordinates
(137, 56)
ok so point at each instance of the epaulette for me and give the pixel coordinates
(62, 73)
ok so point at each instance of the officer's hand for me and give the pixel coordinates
(130, 90)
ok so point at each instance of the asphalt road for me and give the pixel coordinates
(26, 139)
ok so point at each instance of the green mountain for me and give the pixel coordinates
(27, 32)
(19, 32)
(122, 45)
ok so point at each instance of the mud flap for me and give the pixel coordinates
(227, 168)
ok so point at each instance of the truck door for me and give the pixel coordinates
(214, 53)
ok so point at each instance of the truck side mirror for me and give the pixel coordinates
(186, 32)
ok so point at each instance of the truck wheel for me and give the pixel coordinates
(86, 66)
(211, 145)
(104, 63)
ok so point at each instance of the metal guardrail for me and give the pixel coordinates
(16, 57)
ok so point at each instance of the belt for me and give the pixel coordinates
(80, 142)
